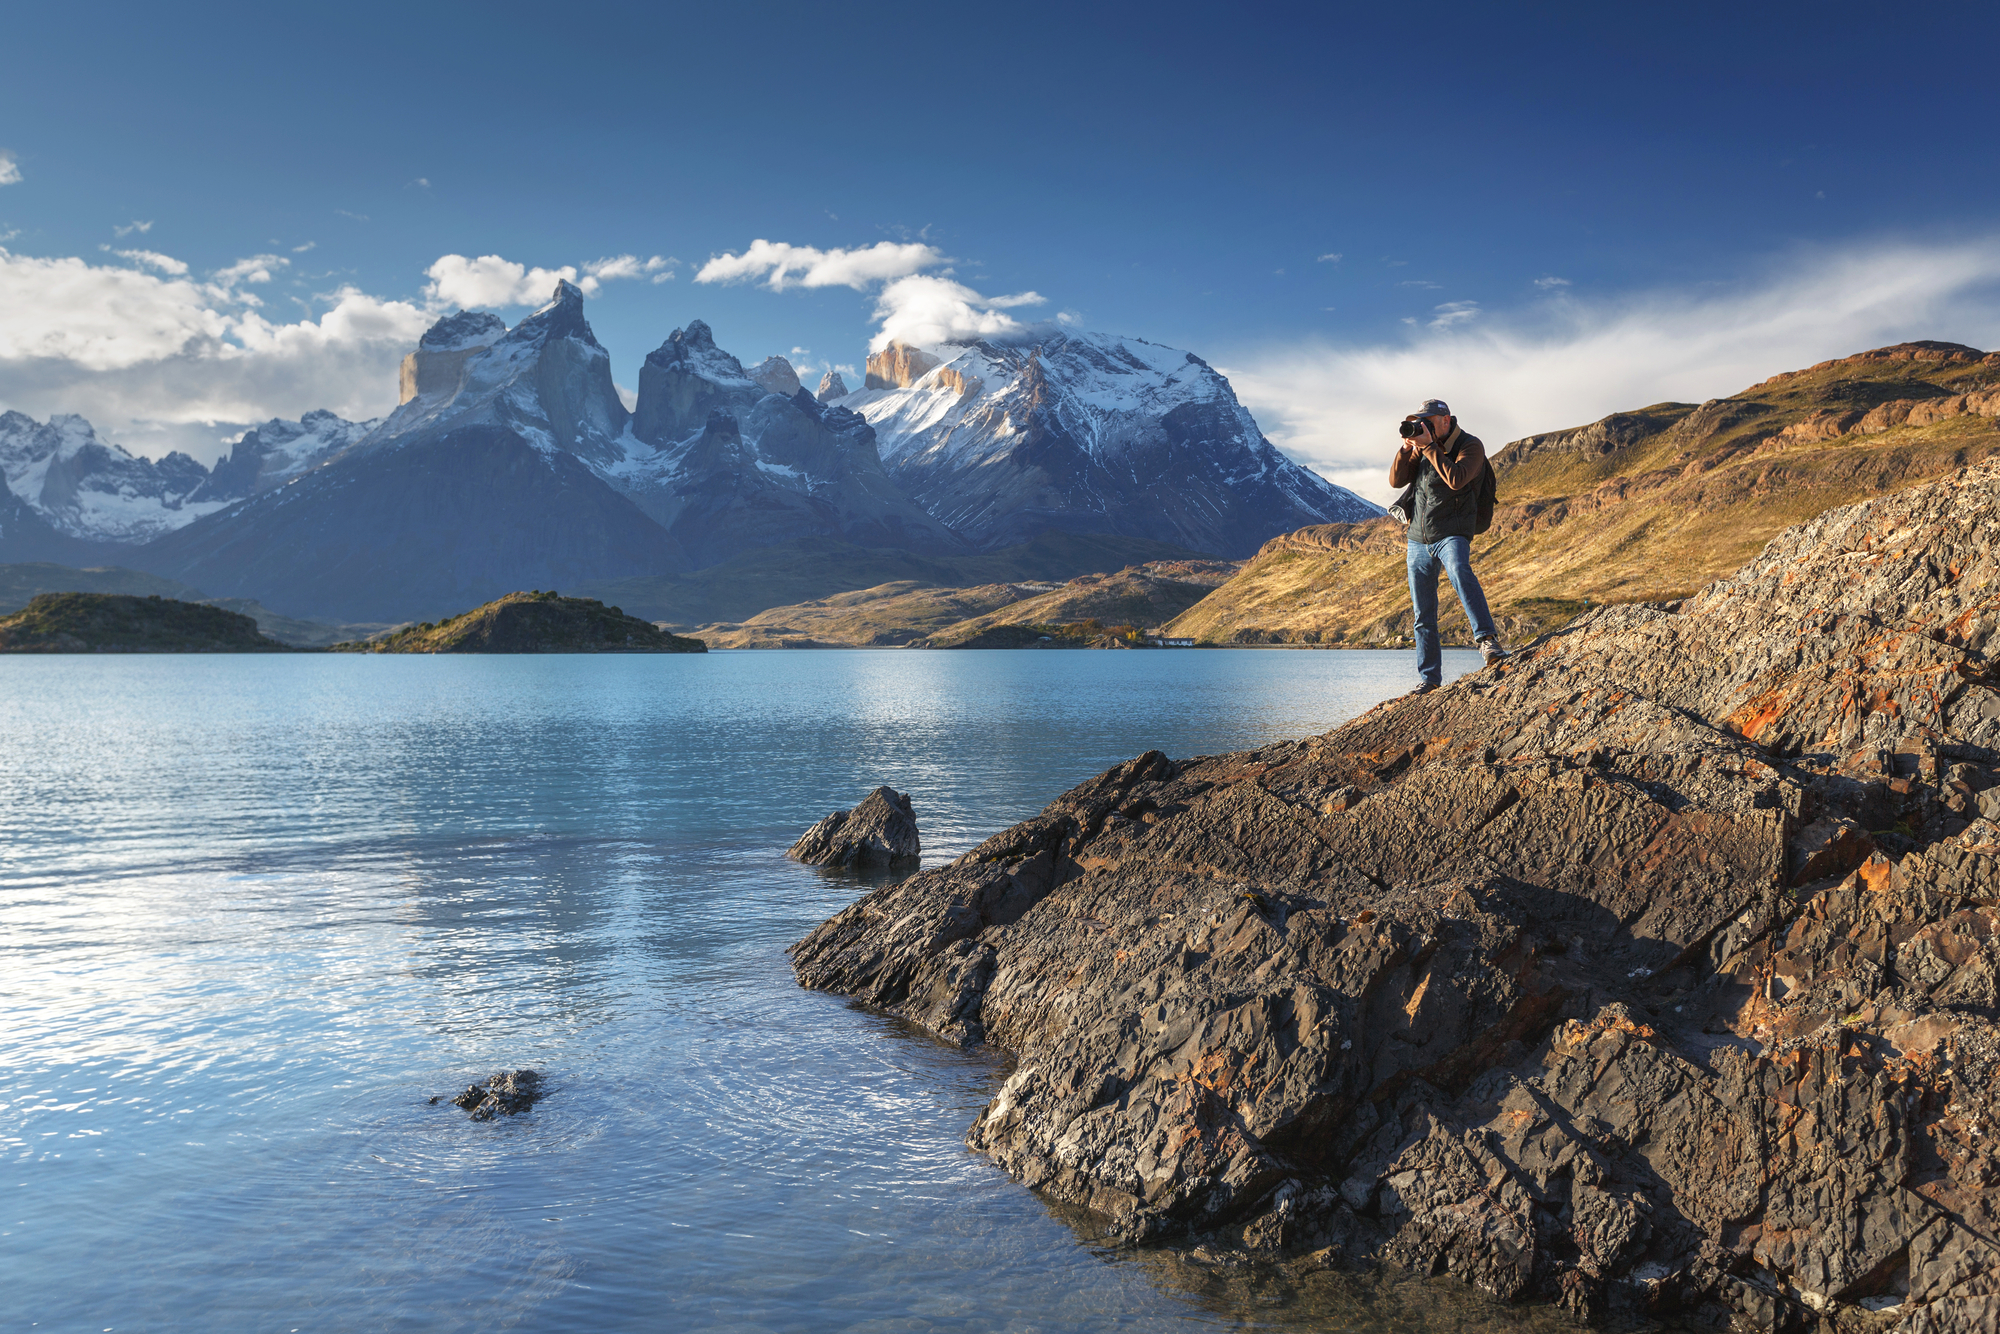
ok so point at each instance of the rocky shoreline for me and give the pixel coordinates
(1652, 972)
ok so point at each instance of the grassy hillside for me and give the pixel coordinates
(907, 613)
(887, 614)
(535, 622)
(122, 623)
(1092, 606)
(1647, 505)
(814, 569)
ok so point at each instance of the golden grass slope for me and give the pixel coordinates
(1648, 505)
(907, 612)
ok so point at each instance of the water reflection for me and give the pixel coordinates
(254, 914)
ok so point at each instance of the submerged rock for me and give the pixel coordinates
(506, 1093)
(1658, 968)
(881, 830)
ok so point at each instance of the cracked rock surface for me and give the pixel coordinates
(504, 1094)
(1653, 970)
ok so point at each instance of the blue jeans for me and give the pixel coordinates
(1453, 555)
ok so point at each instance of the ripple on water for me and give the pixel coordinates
(254, 915)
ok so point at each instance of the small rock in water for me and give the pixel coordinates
(881, 830)
(509, 1092)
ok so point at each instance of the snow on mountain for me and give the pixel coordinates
(87, 488)
(277, 451)
(1086, 432)
(727, 462)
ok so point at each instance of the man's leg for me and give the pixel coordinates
(1423, 566)
(1455, 554)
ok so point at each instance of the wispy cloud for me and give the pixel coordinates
(153, 259)
(1551, 281)
(301, 249)
(1454, 313)
(135, 226)
(10, 168)
(356, 217)
(1562, 361)
(1331, 257)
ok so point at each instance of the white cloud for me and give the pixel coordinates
(912, 306)
(157, 361)
(925, 309)
(134, 226)
(301, 249)
(10, 169)
(781, 265)
(1551, 282)
(1563, 361)
(255, 269)
(1331, 257)
(493, 281)
(153, 259)
(1454, 312)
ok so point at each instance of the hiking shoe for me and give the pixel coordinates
(1493, 651)
(1425, 687)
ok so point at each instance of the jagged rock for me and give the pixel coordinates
(437, 367)
(898, 366)
(879, 831)
(1657, 968)
(776, 376)
(831, 386)
(505, 1094)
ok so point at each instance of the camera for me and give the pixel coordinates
(1411, 430)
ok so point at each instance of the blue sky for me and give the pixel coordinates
(1509, 191)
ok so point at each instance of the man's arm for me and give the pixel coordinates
(1403, 470)
(1459, 472)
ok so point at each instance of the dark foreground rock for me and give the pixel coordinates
(506, 1093)
(1658, 969)
(880, 831)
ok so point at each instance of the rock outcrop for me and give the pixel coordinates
(831, 386)
(505, 1094)
(776, 376)
(1656, 969)
(880, 831)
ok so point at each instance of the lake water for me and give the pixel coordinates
(255, 912)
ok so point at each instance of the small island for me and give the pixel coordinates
(123, 623)
(532, 622)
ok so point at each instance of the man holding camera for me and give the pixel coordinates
(1443, 468)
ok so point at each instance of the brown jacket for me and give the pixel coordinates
(1458, 473)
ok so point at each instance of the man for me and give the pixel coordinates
(1446, 465)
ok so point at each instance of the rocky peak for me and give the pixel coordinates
(561, 318)
(831, 386)
(776, 375)
(898, 366)
(461, 330)
(684, 380)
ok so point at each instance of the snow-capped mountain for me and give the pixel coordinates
(1086, 432)
(277, 451)
(728, 460)
(86, 488)
(483, 480)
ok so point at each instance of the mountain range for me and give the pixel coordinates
(511, 462)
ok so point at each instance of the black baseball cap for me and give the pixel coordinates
(1433, 407)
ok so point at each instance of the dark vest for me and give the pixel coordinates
(1440, 511)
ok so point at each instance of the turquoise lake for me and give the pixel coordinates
(255, 912)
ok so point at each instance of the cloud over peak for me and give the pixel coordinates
(912, 306)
